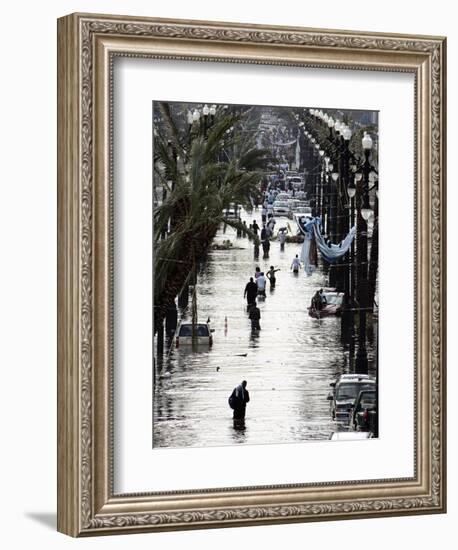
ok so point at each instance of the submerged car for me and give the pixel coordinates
(345, 392)
(364, 414)
(281, 208)
(297, 206)
(203, 335)
(284, 197)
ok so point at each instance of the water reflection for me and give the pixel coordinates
(288, 364)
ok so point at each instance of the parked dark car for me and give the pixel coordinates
(364, 414)
(345, 391)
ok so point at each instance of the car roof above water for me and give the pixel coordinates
(185, 329)
(355, 378)
(350, 436)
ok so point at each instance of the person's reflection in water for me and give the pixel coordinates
(254, 339)
(239, 435)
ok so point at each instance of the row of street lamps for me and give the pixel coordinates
(195, 115)
(342, 188)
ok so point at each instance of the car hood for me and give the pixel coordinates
(345, 402)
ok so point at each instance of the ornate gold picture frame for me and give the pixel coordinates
(87, 46)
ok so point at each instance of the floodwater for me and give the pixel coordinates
(288, 365)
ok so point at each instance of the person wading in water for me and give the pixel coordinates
(271, 276)
(296, 265)
(251, 290)
(261, 283)
(237, 401)
(255, 228)
(282, 237)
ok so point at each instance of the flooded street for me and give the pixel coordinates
(288, 365)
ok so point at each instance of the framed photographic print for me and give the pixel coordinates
(251, 274)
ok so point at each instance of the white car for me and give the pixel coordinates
(282, 197)
(281, 208)
(350, 436)
(299, 209)
(292, 205)
(203, 334)
(357, 377)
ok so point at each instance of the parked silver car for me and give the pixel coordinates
(203, 334)
(345, 391)
(281, 208)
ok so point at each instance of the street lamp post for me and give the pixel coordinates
(352, 196)
(351, 191)
(344, 219)
(373, 259)
(333, 205)
(322, 184)
(205, 112)
(340, 271)
(317, 178)
(363, 214)
(325, 209)
(212, 111)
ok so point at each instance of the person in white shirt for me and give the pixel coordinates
(261, 282)
(270, 210)
(271, 227)
(296, 265)
(282, 238)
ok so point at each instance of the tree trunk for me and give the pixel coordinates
(196, 245)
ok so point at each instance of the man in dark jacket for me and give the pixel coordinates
(255, 228)
(239, 397)
(251, 291)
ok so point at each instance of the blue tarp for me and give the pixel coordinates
(330, 252)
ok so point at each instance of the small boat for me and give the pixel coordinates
(332, 307)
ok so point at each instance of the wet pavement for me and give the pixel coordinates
(288, 365)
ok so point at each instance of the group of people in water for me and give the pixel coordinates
(264, 234)
(256, 289)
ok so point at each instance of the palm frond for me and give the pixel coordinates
(253, 159)
(203, 189)
(237, 224)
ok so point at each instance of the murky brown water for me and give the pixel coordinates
(288, 365)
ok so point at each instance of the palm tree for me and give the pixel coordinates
(203, 189)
